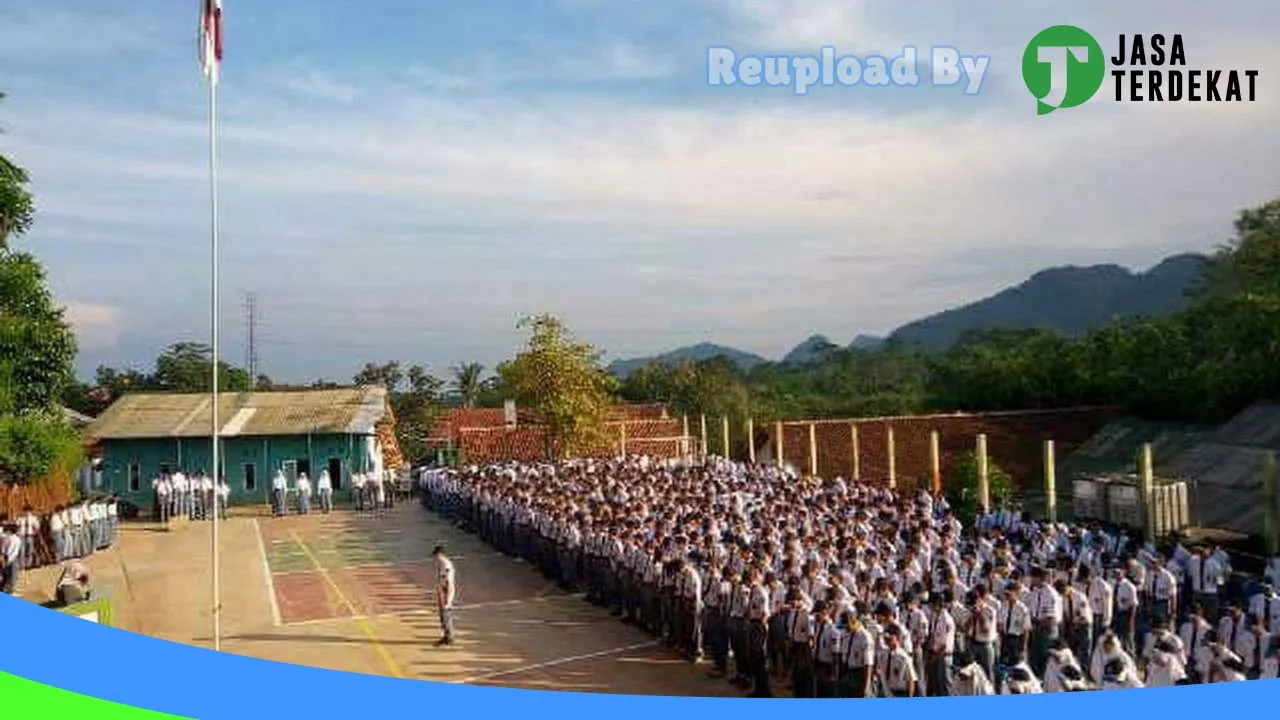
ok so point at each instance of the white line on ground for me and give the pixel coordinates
(560, 661)
(431, 610)
(266, 575)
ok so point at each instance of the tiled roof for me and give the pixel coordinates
(151, 415)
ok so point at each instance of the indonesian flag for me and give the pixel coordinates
(211, 38)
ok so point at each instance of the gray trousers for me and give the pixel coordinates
(446, 622)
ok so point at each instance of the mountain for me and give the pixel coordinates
(814, 349)
(1071, 300)
(694, 353)
(867, 342)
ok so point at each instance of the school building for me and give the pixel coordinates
(341, 430)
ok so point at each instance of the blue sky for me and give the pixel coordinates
(404, 179)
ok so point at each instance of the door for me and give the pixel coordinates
(335, 472)
(304, 467)
(290, 469)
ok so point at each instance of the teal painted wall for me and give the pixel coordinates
(266, 455)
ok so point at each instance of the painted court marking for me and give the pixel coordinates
(266, 575)
(342, 597)
(428, 611)
(559, 661)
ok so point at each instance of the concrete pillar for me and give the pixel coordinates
(684, 437)
(935, 461)
(984, 479)
(853, 441)
(622, 439)
(1146, 482)
(1050, 482)
(702, 424)
(813, 450)
(724, 436)
(891, 454)
(778, 445)
(751, 441)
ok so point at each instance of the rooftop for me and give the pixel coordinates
(161, 415)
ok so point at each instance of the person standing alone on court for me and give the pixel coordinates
(446, 591)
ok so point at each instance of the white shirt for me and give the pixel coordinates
(446, 581)
(324, 483)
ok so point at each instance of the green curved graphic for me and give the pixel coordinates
(39, 700)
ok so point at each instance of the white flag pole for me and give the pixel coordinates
(213, 61)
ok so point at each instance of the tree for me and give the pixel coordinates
(416, 411)
(388, 375)
(966, 503)
(37, 347)
(468, 380)
(17, 210)
(562, 382)
(187, 367)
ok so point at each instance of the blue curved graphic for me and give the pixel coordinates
(138, 671)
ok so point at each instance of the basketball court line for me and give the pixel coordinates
(357, 566)
(558, 661)
(378, 647)
(266, 575)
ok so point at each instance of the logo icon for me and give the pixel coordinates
(1063, 67)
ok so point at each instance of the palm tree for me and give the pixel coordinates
(468, 382)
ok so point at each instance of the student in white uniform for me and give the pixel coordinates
(900, 669)
(1165, 664)
(1117, 675)
(279, 494)
(28, 532)
(324, 489)
(971, 680)
(304, 494)
(1019, 680)
(446, 593)
(357, 490)
(224, 498)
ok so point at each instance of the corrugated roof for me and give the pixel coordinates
(150, 415)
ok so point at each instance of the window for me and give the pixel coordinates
(135, 477)
(250, 477)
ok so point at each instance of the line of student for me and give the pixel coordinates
(74, 531)
(847, 589)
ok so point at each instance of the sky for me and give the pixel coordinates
(404, 180)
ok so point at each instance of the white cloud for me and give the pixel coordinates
(642, 222)
(28, 33)
(97, 326)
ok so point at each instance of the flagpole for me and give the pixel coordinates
(213, 324)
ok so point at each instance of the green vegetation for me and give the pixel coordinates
(1202, 364)
(37, 352)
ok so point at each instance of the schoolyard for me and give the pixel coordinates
(354, 593)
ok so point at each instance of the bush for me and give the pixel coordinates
(34, 446)
(966, 502)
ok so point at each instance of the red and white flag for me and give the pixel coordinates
(211, 38)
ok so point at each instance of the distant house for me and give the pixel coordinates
(306, 431)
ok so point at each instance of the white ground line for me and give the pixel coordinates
(266, 575)
(431, 610)
(560, 661)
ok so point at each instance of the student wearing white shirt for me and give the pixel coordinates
(1125, 609)
(858, 652)
(28, 531)
(1046, 620)
(1019, 680)
(1265, 604)
(446, 593)
(1077, 619)
(826, 653)
(1058, 673)
(1194, 636)
(801, 639)
(1165, 661)
(984, 630)
(1253, 646)
(1116, 675)
(900, 677)
(1110, 649)
(324, 489)
(58, 529)
(304, 494)
(223, 492)
(972, 680)
(940, 645)
(160, 485)
(1233, 628)
(1206, 578)
(1271, 661)
(357, 490)
(10, 557)
(279, 494)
